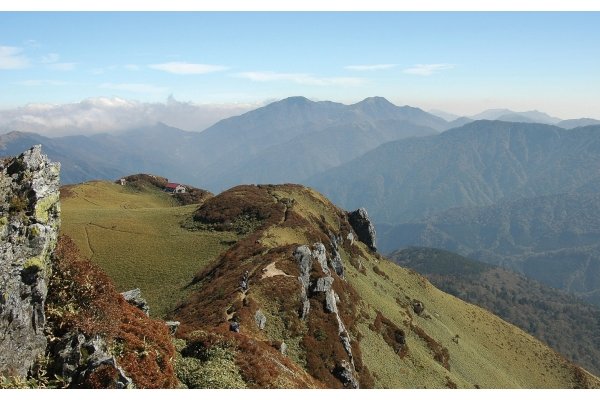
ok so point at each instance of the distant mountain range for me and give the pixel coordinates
(288, 140)
(560, 320)
(478, 164)
(553, 239)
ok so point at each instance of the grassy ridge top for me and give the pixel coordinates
(135, 235)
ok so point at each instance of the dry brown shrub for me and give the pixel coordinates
(391, 333)
(81, 297)
(440, 353)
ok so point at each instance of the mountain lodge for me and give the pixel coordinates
(174, 188)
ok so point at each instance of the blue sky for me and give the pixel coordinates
(458, 62)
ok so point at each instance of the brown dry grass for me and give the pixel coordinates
(82, 298)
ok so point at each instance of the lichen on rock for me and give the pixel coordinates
(30, 209)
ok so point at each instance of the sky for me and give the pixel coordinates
(229, 62)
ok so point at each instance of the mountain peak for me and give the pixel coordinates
(375, 101)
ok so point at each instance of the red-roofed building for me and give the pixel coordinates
(174, 188)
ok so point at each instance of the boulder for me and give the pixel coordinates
(134, 297)
(172, 326)
(362, 225)
(418, 307)
(260, 319)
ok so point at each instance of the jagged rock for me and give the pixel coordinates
(347, 345)
(350, 238)
(283, 348)
(303, 257)
(362, 225)
(134, 297)
(418, 307)
(320, 254)
(260, 319)
(323, 284)
(77, 358)
(173, 326)
(234, 326)
(344, 372)
(331, 301)
(29, 223)
(337, 264)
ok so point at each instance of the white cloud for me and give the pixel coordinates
(12, 58)
(299, 78)
(113, 114)
(427, 69)
(135, 88)
(370, 67)
(183, 68)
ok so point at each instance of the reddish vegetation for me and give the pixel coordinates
(219, 297)
(391, 333)
(440, 353)
(91, 305)
(249, 201)
(380, 272)
(66, 192)
(260, 365)
(191, 196)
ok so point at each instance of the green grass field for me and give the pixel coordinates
(136, 237)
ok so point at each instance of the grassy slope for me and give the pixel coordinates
(490, 353)
(560, 320)
(135, 236)
(147, 248)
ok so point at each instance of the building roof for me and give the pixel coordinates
(172, 185)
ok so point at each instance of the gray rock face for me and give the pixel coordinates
(29, 223)
(323, 284)
(260, 319)
(303, 257)
(344, 372)
(134, 297)
(79, 357)
(362, 225)
(319, 253)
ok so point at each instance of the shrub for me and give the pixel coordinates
(82, 298)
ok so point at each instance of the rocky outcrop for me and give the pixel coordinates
(362, 225)
(79, 358)
(134, 297)
(345, 371)
(303, 257)
(29, 223)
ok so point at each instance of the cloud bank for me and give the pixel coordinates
(102, 114)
